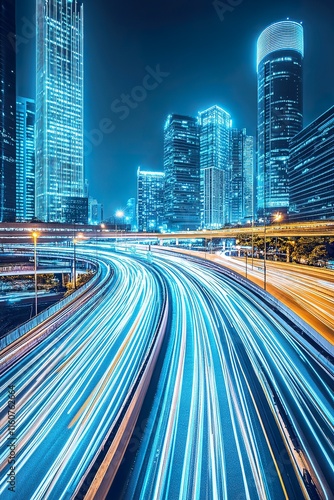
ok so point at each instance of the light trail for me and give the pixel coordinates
(226, 437)
(241, 405)
(71, 387)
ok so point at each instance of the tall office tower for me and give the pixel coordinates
(249, 170)
(59, 112)
(182, 171)
(311, 170)
(130, 213)
(7, 111)
(25, 159)
(215, 161)
(241, 178)
(95, 212)
(280, 50)
(150, 200)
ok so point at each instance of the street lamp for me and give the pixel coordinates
(102, 227)
(277, 218)
(265, 255)
(118, 215)
(75, 242)
(35, 235)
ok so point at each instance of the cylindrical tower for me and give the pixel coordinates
(280, 51)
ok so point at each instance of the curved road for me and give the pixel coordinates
(241, 409)
(234, 384)
(70, 388)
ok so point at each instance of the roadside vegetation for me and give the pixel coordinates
(302, 250)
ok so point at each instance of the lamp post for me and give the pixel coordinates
(35, 235)
(75, 242)
(102, 227)
(118, 215)
(265, 256)
(246, 264)
(252, 242)
(277, 218)
(74, 264)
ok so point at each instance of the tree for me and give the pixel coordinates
(318, 253)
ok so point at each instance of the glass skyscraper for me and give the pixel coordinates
(311, 170)
(280, 50)
(25, 159)
(7, 112)
(150, 200)
(130, 213)
(215, 163)
(241, 178)
(182, 173)
(95, 212)
(59, 111)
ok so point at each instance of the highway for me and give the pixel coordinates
(53, 231)
(241, 409)
(71, 387)
(307, 290)
(234, 382)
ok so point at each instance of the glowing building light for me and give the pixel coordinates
(59, 111)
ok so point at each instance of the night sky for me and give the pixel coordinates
(210, 60)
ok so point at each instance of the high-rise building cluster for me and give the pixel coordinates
(213, 173)
(211, 178)
(208, 175)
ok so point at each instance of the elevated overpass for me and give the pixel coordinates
(29, 271)
(22, 232)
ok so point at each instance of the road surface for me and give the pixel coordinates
(241, 410)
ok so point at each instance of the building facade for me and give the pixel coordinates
(182, 173)
(150, 200)
(95, 212)
(130, 213)
(215, 164)
(7, 112)
(59, 110)
(241, 178)
(280, 51)
(25, 159)
(311, 170)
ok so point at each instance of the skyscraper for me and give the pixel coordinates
(130, 213)
(59, 111)
(215, 162)
(95, 212)
(182, 173)
(7, 112)
(241, 178)
(311, 170)
(150, 200)
(280, 50)
(25, 159)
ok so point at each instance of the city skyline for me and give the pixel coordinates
(222, 84)
(166, 250)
